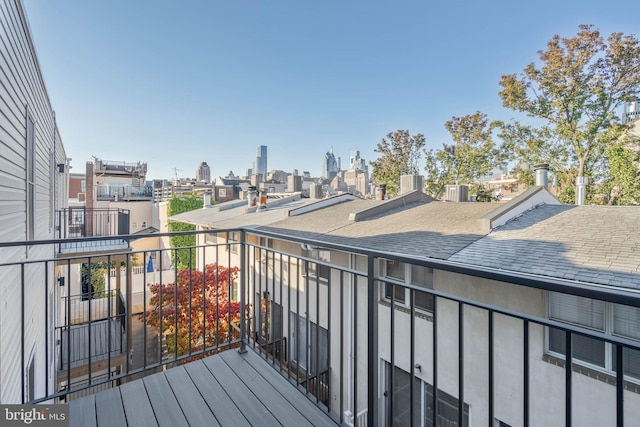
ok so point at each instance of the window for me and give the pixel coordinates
(269, 318)
(315, 270)
(309, 345)
(422, 402)
(414, 274)
(613, 319)
(211, 237)
(233, 238)
(31, 178)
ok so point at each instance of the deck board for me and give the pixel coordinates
(84, 412)
(314, 414)
(223, 408)
(164, 403)
(109, 409)
(227, 389)
(189, 398)
(252, 408)
(137, 407)
(287, 414)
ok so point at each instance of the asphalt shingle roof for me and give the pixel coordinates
(595, 244)
(433, 229)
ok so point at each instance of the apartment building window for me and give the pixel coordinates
(309, 345)
(608, 318)
(408, 273)
(447, 414)
(270, 318)
(233, 238)
(318, 271)
(31, 178)
(210, 238)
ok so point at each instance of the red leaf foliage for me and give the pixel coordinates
(197, 310)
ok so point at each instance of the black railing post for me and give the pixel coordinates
(372, 341)
(619, 385)
(243, 288)
(568, 366)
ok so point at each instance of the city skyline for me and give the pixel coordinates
(170, 85)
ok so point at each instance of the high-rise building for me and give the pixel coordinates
(260, 164)
(356, 162)
(330, 165)
(203, 173)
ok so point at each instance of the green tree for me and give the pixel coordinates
(97, 276)
(185, 253)
(472, 155)
(582, 80)
(400, 154)
(622, 186)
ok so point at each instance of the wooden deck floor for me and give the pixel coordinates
(228, 389)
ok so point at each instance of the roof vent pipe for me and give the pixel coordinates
(382, 191)
(251, 196)
(542, 172)
(581, 189)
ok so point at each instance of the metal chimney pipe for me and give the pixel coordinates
(382, 191)
(542, 172)
(251, 196)
(581, 189)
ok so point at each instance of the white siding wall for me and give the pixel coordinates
(22, 92)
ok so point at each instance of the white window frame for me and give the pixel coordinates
(320, 254)
(407, 278)
(608, 329)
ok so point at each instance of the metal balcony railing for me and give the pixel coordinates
(76, 222)
(121, 192)
(378, 338)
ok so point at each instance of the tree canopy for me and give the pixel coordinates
(197, 312)
(185, 255)
(400, 154)
(472, 155)
(574, 93)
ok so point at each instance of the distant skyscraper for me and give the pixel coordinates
(330, 165)
(260, 165)
(356, 162)
(203, 173)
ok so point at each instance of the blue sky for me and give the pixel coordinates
(174, 83)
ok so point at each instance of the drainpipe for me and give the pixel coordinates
(581, 189)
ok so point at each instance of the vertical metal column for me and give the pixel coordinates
(372, 341)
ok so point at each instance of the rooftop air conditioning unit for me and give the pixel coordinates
(82, 197)
(457, 193)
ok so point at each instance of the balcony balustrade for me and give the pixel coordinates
(123, 192)
(370, 338)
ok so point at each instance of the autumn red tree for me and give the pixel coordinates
(197, 311)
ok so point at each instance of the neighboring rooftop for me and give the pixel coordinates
(422, 227)
(595, 244)
(237, 213)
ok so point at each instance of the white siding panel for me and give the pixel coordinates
(22, 92)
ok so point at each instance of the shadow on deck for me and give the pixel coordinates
(227, 389)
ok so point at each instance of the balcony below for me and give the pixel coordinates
(227, 389)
